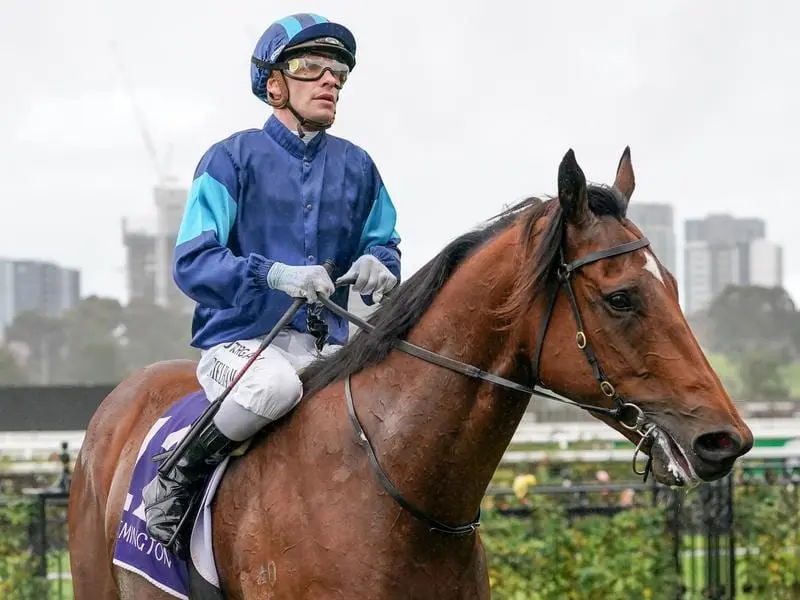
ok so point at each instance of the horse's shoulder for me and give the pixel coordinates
(166, 371)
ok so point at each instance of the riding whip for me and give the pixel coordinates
(208, 414)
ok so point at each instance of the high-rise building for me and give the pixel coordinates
(698, 290)
(723, 250)
(36, 285)
(762, 263)
(725, 229)
(150, 246)
(139, 238)
(657, 222)
(7, 311)
(169, 201)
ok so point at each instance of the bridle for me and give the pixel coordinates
(627, 414)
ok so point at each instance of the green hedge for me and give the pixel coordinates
(544, 556)
(18, 579)
(767, 536)
(597, 557)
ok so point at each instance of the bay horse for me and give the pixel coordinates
(371, 486)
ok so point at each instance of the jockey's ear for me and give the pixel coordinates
(277, 92)
(572, 192)
(625, 181)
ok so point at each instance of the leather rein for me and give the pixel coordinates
(627, 414)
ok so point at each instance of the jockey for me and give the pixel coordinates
(267, 208)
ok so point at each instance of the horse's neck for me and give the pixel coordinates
(439, 434)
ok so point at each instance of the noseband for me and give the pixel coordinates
(627, 414)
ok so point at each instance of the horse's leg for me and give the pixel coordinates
(90, 562)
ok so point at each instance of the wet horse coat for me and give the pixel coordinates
(302, 514)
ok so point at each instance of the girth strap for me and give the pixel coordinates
(387, 484)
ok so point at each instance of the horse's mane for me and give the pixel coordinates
(396, 317)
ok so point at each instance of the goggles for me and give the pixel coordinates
(310, 67)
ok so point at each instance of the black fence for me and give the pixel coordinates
(34, 563)
(736, 538)
(48, 543)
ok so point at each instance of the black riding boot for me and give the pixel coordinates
(169, 497)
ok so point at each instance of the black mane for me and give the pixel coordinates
(396, 317)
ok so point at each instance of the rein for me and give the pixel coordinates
(618, 412)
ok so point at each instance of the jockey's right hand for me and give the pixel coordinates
(308, 282)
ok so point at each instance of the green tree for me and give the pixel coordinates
(153, 333)
(42, 338)
(744, 319)
(11, 373)
(761, 376)
(100, 341)
(92, 351)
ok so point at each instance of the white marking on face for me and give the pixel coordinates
(651, 264)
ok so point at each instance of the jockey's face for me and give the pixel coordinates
(314, 99)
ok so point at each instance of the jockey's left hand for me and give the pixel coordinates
(370, 275)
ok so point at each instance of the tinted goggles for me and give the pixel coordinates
(312, 67)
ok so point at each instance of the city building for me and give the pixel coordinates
(762, 263)
(139, 238)
(169, 201)
(36, 285)
(725, 230)
(149, 248)
(698, 289)
(723, 250)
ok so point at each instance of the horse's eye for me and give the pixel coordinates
(620, 301)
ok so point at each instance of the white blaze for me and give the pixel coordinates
(651, 264)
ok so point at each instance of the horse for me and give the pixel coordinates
(370, 487)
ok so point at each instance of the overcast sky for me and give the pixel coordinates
(464, 106)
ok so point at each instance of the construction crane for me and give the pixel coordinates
(169, 201)
(163, 176)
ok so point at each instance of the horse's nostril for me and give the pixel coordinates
(720, 440)
(718, 445)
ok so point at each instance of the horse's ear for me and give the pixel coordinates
(572, 190)
(625, 182)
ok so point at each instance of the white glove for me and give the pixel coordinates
(301, 282)
(370, 275)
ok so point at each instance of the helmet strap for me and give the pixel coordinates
(303, 124)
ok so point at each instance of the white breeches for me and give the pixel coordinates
(270, 387)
